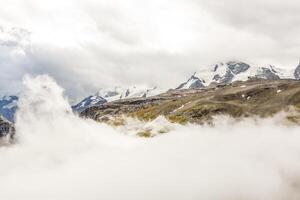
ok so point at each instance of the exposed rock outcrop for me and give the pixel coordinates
(8, 107)
(7, 129)
(192, 83)
(267, 73)
(297, 72)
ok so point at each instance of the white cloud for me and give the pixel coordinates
(58, 155)
(90, 44)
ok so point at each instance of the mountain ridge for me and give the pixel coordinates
(8, 107)
(297, 72)
(222, 73)
(252, 98)
(231, 71)
(109, 95)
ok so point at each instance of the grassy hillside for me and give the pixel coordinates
(262, 98)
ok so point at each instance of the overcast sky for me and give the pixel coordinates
(90, 44)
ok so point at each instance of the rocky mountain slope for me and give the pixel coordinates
(297, 72)
(193, 83)
(109, 95)
(262, 98)
(7, 130)
(219, 74)
(8, 107)
(8, 104)
(88, 102)
(228, 72)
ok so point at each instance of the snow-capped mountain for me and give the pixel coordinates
(297, 72)
(88, 102)
(8, 107)
(226, 73)
(108, 95)
(193, 83)
(127, 92)
(221, 73)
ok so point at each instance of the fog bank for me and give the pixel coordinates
(58, 155)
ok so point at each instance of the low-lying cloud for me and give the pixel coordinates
(58, 155)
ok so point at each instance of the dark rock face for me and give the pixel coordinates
(234, 68)
(227, 78)
(238, 67)
(197, 84)
(8, 107)
(216, 77)
(193, 83)
(6, 128)
(267, 73)
(127, 93)
(297, 72)
(89, 102)
(216, 67)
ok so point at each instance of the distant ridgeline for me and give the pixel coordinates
(226, 73)
(223, 73)
(218, 74)
(242, 99)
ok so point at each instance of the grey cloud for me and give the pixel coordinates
(13, 37)
(13, 62)
(157, 43)
(275, 18)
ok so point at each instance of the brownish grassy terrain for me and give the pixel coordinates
(262, 98)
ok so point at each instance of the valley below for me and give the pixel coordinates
(241, 99)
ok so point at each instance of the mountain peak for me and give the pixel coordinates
(89, 102)
(109, 95)
(230, 71)
(297, 72)
(193, 83)
(8, 107)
